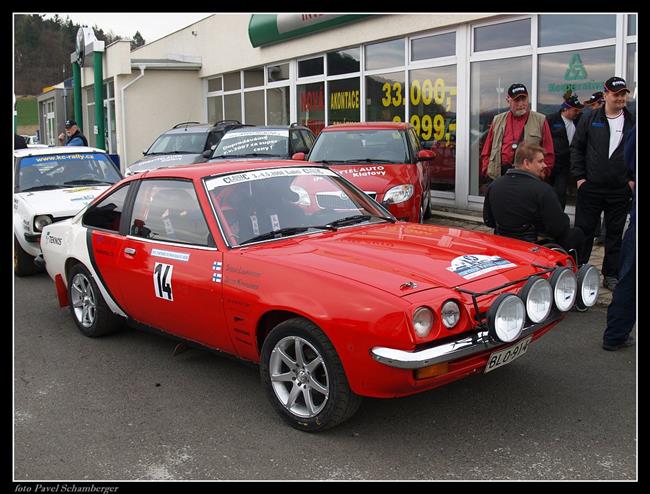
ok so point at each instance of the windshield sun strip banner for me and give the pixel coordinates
(251, 176)
(232, 135)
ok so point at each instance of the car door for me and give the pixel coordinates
(171, 268)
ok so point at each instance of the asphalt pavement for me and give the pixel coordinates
(124, 408)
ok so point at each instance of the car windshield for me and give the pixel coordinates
(262, 142)
(263, 205)
(185, 143)
(65, 170)
(385, 146)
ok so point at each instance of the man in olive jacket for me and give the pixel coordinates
(604, 182)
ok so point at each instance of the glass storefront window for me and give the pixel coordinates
(344, 104)
(432, 94)
(311, 106)
(278, 72)
(215, 109)
(344, 61)
(215, 84)
(630, 73)
(385, 97)
(504, 35)
(277, 103)
(254, 77)
(631, 25)
(562, 29)
(313, 66)
(581, 71)
(489, 81)
(231, 81)
(232, 104)
(254, 107)
(440, 45)
(384, 55)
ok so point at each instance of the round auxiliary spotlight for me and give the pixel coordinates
(506, 318)
(537, 295)
(565, 287)
(588, 286)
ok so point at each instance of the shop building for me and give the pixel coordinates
(444, 73)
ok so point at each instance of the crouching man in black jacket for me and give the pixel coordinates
(604, 183)
(521, 205)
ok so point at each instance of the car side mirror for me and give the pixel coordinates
(207, 153)
(426, 144)
(299, 156)
(426, 154)
(144, 153)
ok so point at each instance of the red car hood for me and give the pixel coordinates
(387, 256)
(374, 177)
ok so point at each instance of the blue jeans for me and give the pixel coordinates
(621, 313)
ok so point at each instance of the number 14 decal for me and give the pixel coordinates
(162, 280)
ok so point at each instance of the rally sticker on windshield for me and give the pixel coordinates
(471, 266)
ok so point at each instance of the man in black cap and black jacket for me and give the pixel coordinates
(521, 205)
(563, 128)
(73, 135)
(604, 183)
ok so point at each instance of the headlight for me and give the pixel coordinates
(423, 321)
(538, 298)
(41, 222)
(506, 318)
(398, 194)
(450, 314)
(588, 286)
(303, 196)
(564, 286)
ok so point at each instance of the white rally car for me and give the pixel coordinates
(53, 184)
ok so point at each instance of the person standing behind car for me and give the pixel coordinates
(604, 184)
(73, 135)
(563, 128)
(510, 129)
(621, 313)
(594, 102)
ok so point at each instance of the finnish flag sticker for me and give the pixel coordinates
(216, 266)
(216, 277)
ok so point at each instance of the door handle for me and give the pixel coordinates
(130, 250)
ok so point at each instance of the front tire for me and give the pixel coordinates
(89, 310)
(23, 262)
(304, 378)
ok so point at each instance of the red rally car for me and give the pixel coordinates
(334, 303)
(384, 159)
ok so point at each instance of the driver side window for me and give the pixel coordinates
(107, 213)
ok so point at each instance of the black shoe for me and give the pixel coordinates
(610, 282)
(612, 347)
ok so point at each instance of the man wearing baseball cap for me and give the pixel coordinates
(509, 129)
(563, 128)
(594, 101)
(73, 134)
(604, 183)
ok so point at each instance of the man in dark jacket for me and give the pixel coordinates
(521, 205)
(73, 135)
(563, 128)
(603, 181)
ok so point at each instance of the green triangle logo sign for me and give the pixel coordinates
(576, 70)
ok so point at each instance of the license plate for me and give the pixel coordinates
(507, 355)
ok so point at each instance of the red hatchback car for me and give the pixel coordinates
(333, 303)
(384, 159)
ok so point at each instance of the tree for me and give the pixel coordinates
(137, 41)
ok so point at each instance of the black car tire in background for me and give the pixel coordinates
(318, 367)
(89, 310)
(23, 262)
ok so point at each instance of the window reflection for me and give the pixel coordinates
(344, 103)
(504, 35)
(441, 45)
(560, 29)
(344, 61)
(254, 107)
(311, 106)
(383, 55)
(278, 106)
(385, 97)
(232, 103)
(631, 25)
(488, 86)
(630, 78)
(215, 109)
(313, 66)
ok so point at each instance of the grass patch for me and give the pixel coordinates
(27, 108)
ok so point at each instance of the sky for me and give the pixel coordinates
(152, 26)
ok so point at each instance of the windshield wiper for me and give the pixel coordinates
(371, 160)
(46, 187)
(327, 162)
(87, 181)
(182, 152)
(358, 218)
(291, 230)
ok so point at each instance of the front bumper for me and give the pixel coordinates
(453, 350)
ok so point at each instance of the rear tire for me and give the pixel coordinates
(23, 262)
(304, 379)
(89, 310)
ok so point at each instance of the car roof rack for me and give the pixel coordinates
(236, 122)
(295, 124)
(185, 124)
